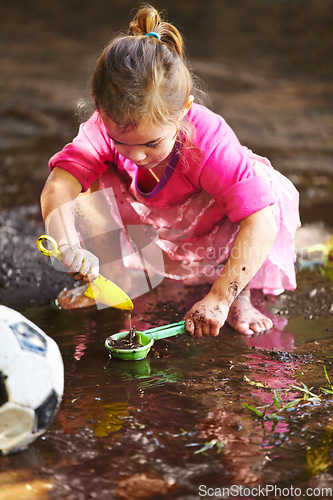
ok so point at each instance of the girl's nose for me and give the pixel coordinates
(136, 155)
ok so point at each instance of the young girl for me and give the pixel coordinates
(220, 211)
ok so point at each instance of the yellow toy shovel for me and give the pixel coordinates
(100, 289)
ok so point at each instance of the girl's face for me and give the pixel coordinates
(147, 146)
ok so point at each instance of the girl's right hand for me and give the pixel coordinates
(79, 263)
(206, 317)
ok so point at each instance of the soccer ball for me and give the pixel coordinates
(31, 381)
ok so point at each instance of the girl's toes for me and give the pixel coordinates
(255, 327)
(262, 326)
(247, 331)
(268, 324)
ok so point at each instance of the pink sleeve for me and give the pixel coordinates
(88, 155)
(229, 177)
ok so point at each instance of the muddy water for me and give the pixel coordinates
(174, 424)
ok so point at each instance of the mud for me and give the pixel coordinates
(124, 344)
(26, 276)
(128, 342)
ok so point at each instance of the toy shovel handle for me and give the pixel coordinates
(53, 252)
(165, 331)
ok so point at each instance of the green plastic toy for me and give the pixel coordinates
(145, 338)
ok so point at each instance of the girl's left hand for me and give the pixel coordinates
(206, 317)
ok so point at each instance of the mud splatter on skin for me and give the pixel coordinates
(233, 288)
(199, 319)
(199, 316)
(235, 317)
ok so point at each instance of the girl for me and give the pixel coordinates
(220, 211)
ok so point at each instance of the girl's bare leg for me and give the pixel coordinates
(245, 318)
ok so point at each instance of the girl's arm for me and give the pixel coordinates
(250, 249)
(57, 203)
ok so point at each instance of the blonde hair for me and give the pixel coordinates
(138, 76)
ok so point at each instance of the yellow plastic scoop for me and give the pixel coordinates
(100, 289)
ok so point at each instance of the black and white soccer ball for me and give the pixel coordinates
(31, 381)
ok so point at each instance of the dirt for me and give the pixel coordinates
(129, 342)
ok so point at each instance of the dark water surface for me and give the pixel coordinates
(163, 426)
(174, 424)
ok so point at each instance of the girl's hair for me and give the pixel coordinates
(138, 76)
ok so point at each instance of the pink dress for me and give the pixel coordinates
(207, 188)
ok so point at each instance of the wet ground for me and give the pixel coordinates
(173, 425)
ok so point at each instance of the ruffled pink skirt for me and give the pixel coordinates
(190, 253)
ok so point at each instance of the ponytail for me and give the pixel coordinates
(149, 20)
(140, 76)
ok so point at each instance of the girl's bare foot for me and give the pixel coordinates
(245, 318)
(74, 298)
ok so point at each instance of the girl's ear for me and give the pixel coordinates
(188, 105)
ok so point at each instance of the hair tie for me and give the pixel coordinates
(153, 33)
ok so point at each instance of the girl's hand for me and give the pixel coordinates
(206, 317)
(79, 263)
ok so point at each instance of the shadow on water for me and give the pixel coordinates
(174, 424)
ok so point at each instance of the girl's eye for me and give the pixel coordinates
(152, 146)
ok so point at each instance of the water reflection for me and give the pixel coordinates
(176, 419)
